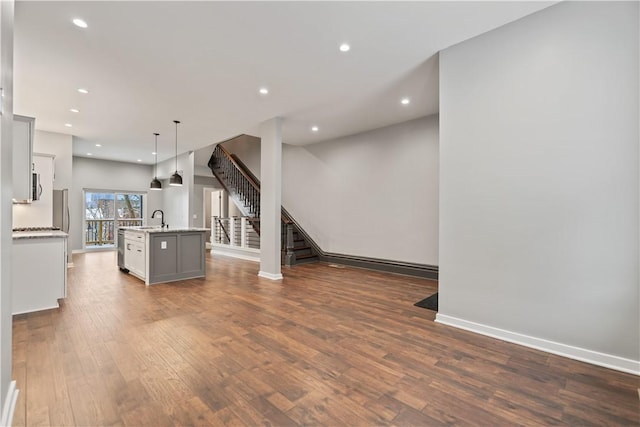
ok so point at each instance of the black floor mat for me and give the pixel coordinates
(430, 303)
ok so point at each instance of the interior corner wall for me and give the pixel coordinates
(59, 145)
(198, 198)
(108, 175)
(373, 194)
(177, 203)
(247, 148)
(539, 192)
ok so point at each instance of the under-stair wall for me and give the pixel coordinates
(369, 199)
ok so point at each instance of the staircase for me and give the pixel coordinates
(244, 189)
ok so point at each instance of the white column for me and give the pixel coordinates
(270, 197)
(243, 232)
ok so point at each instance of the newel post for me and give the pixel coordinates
(243, 232)
(290, 257)
(232, 231)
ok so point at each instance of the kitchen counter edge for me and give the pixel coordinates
(39, 234)
(163, 230)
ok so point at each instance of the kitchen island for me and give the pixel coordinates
(39, 270)
(159, 255)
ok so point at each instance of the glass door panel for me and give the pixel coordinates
(99, 219)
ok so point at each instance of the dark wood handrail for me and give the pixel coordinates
(246, 171)
(242, 170)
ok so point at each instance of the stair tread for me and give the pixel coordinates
(300, 248)
(306, 256)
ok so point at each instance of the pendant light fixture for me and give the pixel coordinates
(155, 184)
(176, 179)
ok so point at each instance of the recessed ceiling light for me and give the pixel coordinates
(263, 91)
(405, 101)
(80, 23)
(344, 47)
(314, 129)
(68, 125)
(85, 91)
(153, 153)
(89, 154)
(74, 110)
(139, 160)
(98, 145)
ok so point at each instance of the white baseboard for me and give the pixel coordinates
(576, 353)
(9, 405)
(32, 310)
(243, 253)
(270, 276)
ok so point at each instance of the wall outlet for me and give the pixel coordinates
(163, 245)
(195, 216)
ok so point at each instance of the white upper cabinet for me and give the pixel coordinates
(23, 130)
(38, 213)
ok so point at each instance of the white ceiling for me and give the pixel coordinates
(149, 63)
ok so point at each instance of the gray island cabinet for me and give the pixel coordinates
(159, 255)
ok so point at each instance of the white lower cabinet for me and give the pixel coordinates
(40, 287)
(135, 253)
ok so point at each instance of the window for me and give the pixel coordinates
(105, 212)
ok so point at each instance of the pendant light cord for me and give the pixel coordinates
(155, 166)
(176, 122)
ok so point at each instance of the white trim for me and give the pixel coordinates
(582, 354)
(9, 405)
(270, 276)
(110, 248)
(248, 254)
(33, 310)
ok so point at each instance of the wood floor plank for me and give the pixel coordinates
(323, 347)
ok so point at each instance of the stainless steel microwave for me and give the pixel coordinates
(36, 187)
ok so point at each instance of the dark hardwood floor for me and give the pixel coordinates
(327, 346)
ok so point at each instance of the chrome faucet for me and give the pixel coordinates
(153, 215)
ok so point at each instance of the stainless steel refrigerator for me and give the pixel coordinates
(61, 215)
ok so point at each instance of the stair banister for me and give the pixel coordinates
(238, 181)
(237, 168)
(222, 227)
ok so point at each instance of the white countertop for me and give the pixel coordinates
(39, 234)
(147, 229)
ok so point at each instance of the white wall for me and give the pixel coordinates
(202, 204)
(98, 174)
(539, 182)
(176, 201)
(373, 194)
(247, 148)
(6, 178)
